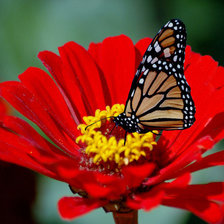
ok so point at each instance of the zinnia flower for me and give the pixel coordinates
(91, 85)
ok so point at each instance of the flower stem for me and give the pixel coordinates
(126, 218)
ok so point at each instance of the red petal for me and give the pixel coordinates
(193, 153)
(215, 159)
(18, 151)
(99, 191)
(37, 111)
(54, 64)
(85, 78)
(71, 174)
(180, 182)
(95, 50)
(146, 201)
(3, 109)
(22, 145)
(135, 175)
(199, 199)
(218, 81)
(40, 83)
(89, 181)
(211, 191)
(34, 152)
(207, 210)
(215, 124)
(100, 185)
(73, 207)
(116, 57)
(154, 197)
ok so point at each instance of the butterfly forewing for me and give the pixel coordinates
(160, 96)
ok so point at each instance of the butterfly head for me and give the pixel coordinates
(130, 124)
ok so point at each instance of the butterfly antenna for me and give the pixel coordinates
(97, 121)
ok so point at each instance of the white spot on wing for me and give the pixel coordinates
(170, 24)
(167, 52)
(143, 60)
(141, 81)
(156, 44)
(175, 58)
(149, 48)
(149, 58)
(158, 48)
(154, 60)
(143, 68)
(146, 72)
(133, 92)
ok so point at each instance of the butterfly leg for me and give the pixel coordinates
(125, 136)
(102, 119)
(157, 135)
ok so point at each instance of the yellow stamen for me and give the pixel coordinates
(104, 147)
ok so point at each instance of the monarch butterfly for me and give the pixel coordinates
(160, 97)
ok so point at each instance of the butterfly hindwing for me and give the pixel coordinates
(159, 96)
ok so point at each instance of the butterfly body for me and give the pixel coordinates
(130, 124)
(160, 98)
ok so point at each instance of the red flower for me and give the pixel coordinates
(135, 178)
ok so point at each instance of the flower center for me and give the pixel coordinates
(104, 145)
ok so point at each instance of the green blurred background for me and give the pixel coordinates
(30, 26)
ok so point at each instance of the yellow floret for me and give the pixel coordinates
(103, 149)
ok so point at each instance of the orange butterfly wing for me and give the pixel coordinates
(160, 97)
